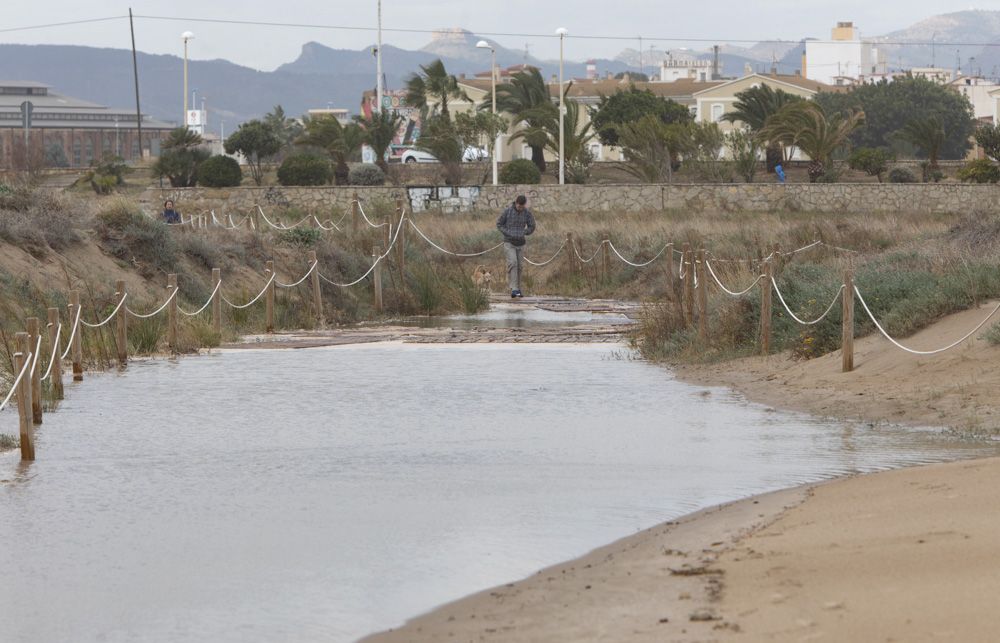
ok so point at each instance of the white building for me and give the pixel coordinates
(979, 91)
(674, 69)
(842, 58)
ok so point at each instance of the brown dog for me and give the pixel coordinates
(482, 277)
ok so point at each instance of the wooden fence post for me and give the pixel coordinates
(688, 285)
(76, 351)
(377, 280)
(355, 214)
(765, 309)
(779, 261)
(35, 376)
(702, 294)
(57, 383)
(570, 255)
(401, 242)
(269, 297)
(24, 398)
(317, 292)
(217, 300)
(386, 235)
(606, 260)
(172, 313)
(847, 345)
(121, 332)
(670, 272)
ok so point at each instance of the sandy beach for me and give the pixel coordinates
(907, 555)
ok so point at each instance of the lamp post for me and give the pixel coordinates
(482, 44)
(561, 32)
(186, 36)
(378, 63)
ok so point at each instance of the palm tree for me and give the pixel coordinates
(285, 128)
(526, 98)
(380, 129)
(928, 136)
(575, 137)
(181, 138)
(433, 84)
(753, 107)
(805, 125)
(340, 142)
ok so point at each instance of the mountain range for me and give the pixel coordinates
(322, 76)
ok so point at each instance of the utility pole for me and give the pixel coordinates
(135, 72)
(379, 89)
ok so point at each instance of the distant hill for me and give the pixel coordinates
(233, 93)
(972, 26)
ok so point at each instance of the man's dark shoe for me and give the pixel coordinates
(519, 295)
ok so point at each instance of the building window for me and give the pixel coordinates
(526, 150)
(135, 147)
(88, 155)
(717, 111)
(595, 150)
(77, 161)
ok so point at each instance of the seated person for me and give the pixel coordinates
(169, 214)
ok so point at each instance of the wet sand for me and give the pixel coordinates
(907, 555)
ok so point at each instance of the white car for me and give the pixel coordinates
(471, 153)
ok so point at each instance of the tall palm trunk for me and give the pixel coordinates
(538, 157)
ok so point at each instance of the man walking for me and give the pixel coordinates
(515, 224)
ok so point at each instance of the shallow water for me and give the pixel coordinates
(517, 317)
(319, 495)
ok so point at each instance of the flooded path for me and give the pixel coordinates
(319, 495)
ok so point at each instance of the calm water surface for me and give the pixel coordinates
(319, 495)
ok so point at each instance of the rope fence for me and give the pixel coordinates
(688, 290)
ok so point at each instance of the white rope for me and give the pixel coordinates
(456, 254)
(156, 312)
(110, 317)
(802, 321)
(17, 381)
(210, 298)
(333, 226)
(308, 272)
(72, 335)
(215, 220)
(38, 349)
(726, 290)
(254, 300)
(804, 248)
(374, 263)
(269, 222)
(55, 352)
(637, 265)
(369, 221)
(916, 352)
(550, 259)
(593, 256)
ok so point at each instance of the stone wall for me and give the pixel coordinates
(755, 197)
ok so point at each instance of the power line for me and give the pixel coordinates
(63, 24)
(669, 39)
(779, 41)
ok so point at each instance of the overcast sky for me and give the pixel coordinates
(267, 47)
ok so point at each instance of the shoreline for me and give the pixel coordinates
(789, 565)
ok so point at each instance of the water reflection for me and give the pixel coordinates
(318, 495)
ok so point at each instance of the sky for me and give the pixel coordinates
(267, 47)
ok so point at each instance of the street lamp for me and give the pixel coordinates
(482, 44)
(561, 32)
(187, 35)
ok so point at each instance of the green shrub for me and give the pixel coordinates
(902, 175)
(300, 236)
(366, 174)
(220, 172)
(871, 161)
(8, 442)
(304, 169)
(133, 237)
(979, 171)
(144, 334)
(520, 172)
